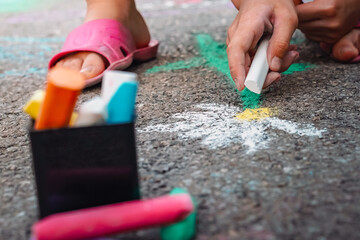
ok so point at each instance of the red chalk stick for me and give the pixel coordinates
(114, 218)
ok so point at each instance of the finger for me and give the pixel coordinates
(230, 32)
(284, 27)
(345, 49)
(316, 38)
(241, 42)
(248, 61)
(314, 25)
(308, 11)
(236, 57)
(289, 59)
(272, 77)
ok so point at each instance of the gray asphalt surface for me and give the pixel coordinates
(296, 187)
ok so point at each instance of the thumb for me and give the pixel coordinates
(284, 27)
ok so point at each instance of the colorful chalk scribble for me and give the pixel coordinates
(16, 5)
(34, 53)
(213, 54)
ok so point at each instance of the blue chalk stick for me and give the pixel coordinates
(121, 107)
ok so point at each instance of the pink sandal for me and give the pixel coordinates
(110, 39)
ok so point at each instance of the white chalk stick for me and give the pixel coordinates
(112, 81)
(92, 112)
(259, 68)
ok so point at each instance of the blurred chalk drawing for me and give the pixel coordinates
(17, 5)
(219, 126)
(29, 54)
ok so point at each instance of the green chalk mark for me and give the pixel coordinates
(16, 5)
(250, 99)
(184, 230)
(298, 67)
(213, 54)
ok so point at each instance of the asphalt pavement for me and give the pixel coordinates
(293, 175)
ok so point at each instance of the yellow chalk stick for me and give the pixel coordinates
(32, 107)
(73, 118)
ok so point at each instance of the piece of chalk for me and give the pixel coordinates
(92, 112)
(183, 230)
(259, 68)
(111, 82)
(62, 89)
(121, 107)
(114, 218)
(32, 107)
(73, 119)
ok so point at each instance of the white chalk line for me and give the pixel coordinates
(216, 127)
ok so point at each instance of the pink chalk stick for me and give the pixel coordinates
(114, 218)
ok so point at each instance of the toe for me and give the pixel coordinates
(92, 66)
(73, 62)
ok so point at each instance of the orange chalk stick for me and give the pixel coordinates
(62, 89)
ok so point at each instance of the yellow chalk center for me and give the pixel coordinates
(255, 114)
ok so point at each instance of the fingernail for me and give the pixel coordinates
(275, 64)
(87, 69)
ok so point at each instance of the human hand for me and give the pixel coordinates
(328, 20)
(347, 49)
(253, 19)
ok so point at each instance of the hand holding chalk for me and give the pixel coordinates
(278, 17)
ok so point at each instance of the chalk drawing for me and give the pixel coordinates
(31, 40)
(46, 16)
(213, 55)
(298, 67)
(255, 114)
(24, 73)
(16, 5)
(27, 51)
(218, 126)
(171, 8)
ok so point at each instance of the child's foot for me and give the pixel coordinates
(347, 48)
(91, 64)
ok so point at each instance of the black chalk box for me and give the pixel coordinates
(84, 167)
